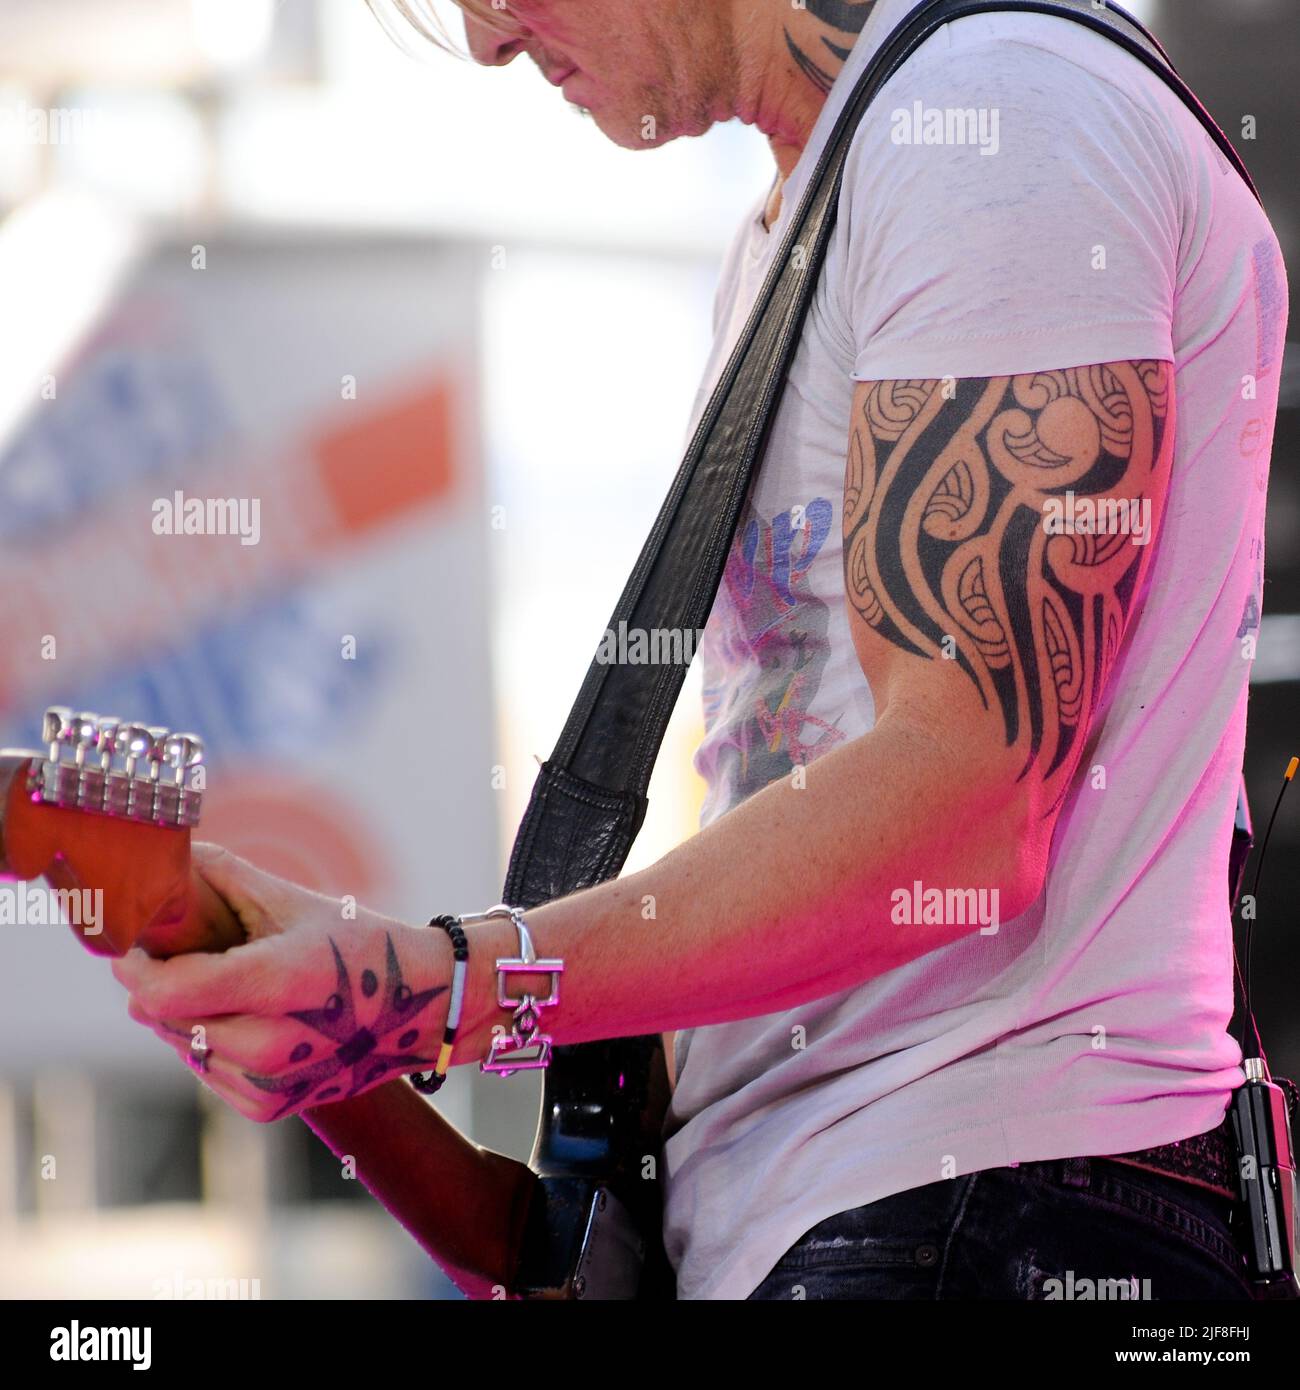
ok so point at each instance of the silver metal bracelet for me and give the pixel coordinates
(525, 1047)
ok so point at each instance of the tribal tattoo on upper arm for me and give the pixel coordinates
(1003, 523)
(845, 17)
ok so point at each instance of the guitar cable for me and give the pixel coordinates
(1244, 973)
(1260, 1112)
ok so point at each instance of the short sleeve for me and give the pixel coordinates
(1007, 210)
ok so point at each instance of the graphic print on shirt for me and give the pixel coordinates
(765, 651)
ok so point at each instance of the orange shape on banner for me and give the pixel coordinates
(294, 828)
(394, 460)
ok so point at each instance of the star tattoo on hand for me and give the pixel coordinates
(357, 1049)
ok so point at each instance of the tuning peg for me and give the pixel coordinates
(82, 733)
(106, 740)
(54, 728)
(158, 737)
(183, 752)
(133, 742)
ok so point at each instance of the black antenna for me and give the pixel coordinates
(1248, 1013)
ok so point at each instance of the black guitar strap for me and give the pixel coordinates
(589, 800)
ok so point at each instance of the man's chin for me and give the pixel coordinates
(625, 132)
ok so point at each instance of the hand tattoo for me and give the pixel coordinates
(358, 1047)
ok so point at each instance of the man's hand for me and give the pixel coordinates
(321, 1004)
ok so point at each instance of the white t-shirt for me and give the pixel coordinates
(1096, 1021)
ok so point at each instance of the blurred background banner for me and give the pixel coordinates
(434, 344)
(390, 323)
(340, 622)
(331, 640)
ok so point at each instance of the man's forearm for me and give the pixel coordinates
(787, 898)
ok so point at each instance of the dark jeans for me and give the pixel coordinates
(1068, 1228)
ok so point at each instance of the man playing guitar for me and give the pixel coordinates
(948, 967)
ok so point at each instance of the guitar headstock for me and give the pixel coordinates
(107, 808)
(107, 766)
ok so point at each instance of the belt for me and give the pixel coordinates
(1205, 1160)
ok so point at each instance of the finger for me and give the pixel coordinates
(264, 903)
(175, 1032)
(228, 1082)
(141, 1015)
(180, 1039)
(224, 1076)
(267, 1098)
(198, 985)
(266, 1048)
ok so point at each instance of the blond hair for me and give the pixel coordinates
(401, 17)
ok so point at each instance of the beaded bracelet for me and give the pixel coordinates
(429, 1082)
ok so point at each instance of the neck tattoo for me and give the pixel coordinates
(846, 18)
